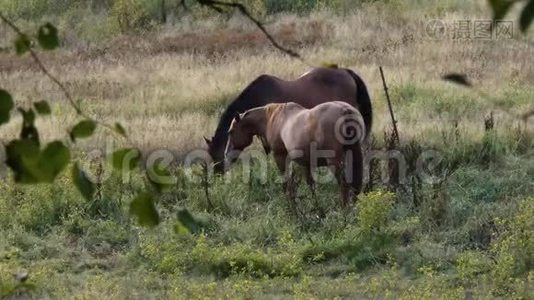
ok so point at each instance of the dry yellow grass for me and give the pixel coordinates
(169, 97)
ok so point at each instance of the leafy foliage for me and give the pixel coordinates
(514, 248)
(501, 7)
(47, 37)
(82, 182)
(144, 209)
(120, 129)
(126, 159)
(188, 221)
(29, 131)
(83, 129)
(31, 165)
(42, 108)
(373, 210)
(6, 105)
(527, 15)
(22, 44)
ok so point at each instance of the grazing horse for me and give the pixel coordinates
(329, 134)
(317, 86)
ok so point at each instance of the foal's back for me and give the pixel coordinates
(318, 125)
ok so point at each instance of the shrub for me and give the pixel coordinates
(373, 210)
(239, 258)
(27, 9)
(472, 264)
(514, 248)
(128, 15)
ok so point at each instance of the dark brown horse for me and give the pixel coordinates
(317, 86)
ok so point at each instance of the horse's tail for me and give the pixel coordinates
(356, 165)
(354, 133)
(363, 101)
(351, 127)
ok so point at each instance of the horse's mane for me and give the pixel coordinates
(271, 110)
(250, 97)
(264, 88)
(224, 124)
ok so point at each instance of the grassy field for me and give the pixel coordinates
(469, 236)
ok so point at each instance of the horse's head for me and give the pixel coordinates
(240, 136)
(216, 151)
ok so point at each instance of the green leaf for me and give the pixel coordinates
(29, 131)
(144, 209)
(22, 157)
(500, 8)
(456, 78)
(82, 182)
(22, 44)
(526, 16)
(160, 177)
(120, 130)
(54, 158)
(47, 37)
(83, 129)
(6, 105)
(42, 108)
(28, 116)
(30, 165)
(188, 221)
(180, 229)
(126, 159)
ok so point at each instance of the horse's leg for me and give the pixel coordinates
(336, 165)
(311, 184)
(281, 163)
(356, 155)
(309, 180)
(291, 183)
(344, 185)
(286, 169)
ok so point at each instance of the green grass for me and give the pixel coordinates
(251, 245)
(468, 236)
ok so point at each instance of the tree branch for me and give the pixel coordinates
(216, 5)
(43, 68)
(213, 4)
(54, 79)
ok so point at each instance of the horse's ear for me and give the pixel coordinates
(208, 141)
(238, 117)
